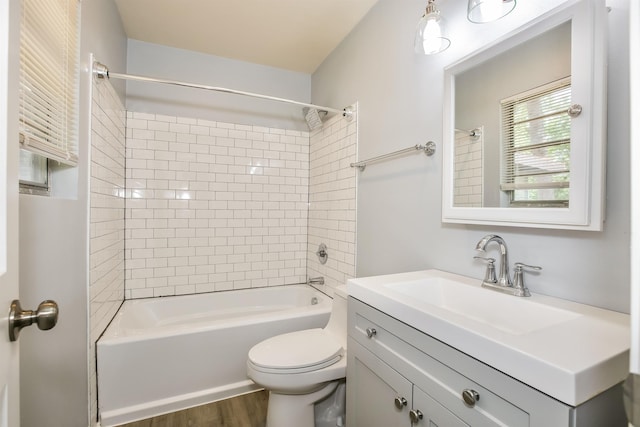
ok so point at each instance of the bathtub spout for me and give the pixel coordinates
(315, 281)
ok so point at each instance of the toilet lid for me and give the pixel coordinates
(300, 351)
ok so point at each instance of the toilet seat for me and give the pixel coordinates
(296, 352)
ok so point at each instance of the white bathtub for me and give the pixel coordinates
(160, 355)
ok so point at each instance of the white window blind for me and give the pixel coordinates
(48, 79)
(536, 138)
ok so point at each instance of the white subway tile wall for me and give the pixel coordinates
(106, 220)
(468, 187)
(332, 202)
(213, 206)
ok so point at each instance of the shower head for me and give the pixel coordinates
(312, 116)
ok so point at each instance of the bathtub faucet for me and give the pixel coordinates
(315, 281)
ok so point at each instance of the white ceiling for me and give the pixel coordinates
(295, 35)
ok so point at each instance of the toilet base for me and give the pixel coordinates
(296, 410)
(331, 411)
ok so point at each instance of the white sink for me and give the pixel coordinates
(567, 350)
(514, 315)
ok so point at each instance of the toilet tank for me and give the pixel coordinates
(338, 321)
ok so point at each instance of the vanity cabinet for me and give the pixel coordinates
(399, 376)
(383, 397)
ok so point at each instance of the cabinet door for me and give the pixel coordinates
(375, 391)
(433, 413)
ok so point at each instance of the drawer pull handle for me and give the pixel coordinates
(400, 402)
(470, 397)
(371, 332)
(415, 416)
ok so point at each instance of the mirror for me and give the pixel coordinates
(524, 125)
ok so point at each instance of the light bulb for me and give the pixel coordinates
(430, 34)
(483, 11)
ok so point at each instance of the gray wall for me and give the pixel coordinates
(54, 254)
(399, 201)
(153, 60)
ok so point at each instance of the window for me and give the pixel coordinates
(34, 173)
(48, 87)
(536, 138)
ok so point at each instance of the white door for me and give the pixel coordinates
(634, 60)
(9, 393)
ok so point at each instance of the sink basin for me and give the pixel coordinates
(567, 350)
(506, 313)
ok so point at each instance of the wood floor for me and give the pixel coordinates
(248, 410)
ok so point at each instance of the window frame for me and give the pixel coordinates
(36, 188)
(509, 174)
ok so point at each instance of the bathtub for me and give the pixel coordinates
(161, 355)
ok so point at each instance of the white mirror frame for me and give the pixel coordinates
(587, 164)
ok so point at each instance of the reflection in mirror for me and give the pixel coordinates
(517, 102)
(517, 152)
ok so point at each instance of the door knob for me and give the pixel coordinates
(45, 317)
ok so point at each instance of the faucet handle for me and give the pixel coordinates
(490, 273)
(521, 266)
(488, 260)
(518, 277)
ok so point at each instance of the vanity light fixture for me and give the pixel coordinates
(483, 11)
(431, 35)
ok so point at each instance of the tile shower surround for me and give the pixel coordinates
(332, 201)
(468, 190)
(106, 219)
(215, 206)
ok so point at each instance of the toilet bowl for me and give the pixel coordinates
(301, 368)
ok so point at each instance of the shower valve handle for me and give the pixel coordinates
(322, 253)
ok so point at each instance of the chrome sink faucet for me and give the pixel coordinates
(503, 282)
(503, 279)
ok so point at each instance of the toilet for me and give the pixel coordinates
(302, 368)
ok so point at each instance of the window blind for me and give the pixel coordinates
(48, 79)
(536, 138)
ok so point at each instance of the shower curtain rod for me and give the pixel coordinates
(102, 72)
